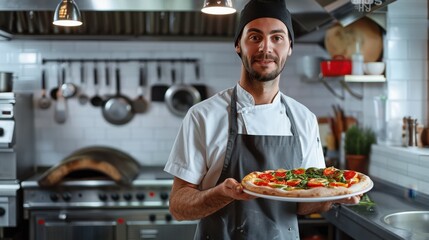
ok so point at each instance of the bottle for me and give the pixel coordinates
(404, 132)
(357, 61)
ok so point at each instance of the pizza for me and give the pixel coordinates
(306, 183)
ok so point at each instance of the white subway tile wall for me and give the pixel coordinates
(405, 167)
(149, 136)
(406, 56)
(407, 90)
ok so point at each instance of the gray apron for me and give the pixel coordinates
(259, 219)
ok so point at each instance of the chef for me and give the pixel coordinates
(249, 127)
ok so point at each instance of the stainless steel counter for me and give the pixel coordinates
(362, 222)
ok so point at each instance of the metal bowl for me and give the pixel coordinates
(416, 222)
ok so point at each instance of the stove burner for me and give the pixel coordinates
(92, 189)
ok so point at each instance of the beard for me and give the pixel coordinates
(258, 76)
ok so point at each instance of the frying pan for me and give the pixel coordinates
(118, 109)
(180, 97)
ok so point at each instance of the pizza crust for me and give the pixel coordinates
(248, 184)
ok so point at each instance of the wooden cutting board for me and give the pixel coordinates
(342, 40)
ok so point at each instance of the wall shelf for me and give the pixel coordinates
(346, 79)
(364, 78)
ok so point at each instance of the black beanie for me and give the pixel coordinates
(264, 9)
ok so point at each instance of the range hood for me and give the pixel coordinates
(167, 20)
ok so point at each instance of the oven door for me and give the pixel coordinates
(73, 225)
(108, 224)
(183, 230)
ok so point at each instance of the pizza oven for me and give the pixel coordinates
(101, 193)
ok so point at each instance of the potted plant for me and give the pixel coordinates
(357, 147)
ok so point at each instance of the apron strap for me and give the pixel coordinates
(233, 131)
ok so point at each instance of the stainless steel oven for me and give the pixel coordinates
(102, 209)
(16, 153)
(130, 224)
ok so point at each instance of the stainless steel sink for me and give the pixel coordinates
(416, 222)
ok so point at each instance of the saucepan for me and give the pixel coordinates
(338, 66)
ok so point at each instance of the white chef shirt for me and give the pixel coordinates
(199, 150)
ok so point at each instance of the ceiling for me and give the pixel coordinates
(160, 20)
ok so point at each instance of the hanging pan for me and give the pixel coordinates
(180, 97)
(118, 109)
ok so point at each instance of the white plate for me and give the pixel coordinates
(314, 199)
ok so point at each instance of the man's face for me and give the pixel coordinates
(264, 47)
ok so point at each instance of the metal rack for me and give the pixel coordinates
(120, 60)
(344, 80)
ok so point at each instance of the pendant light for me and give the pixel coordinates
(218, 7)
(67, 14)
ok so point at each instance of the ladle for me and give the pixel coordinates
(44, 101)
(96, 100)
(83, 98)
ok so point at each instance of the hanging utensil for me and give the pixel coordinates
(96, 100)
(158, 90)
(44, 101)
(202, 88)
(54, 90)
(83, 98)
(140, 104)
(68, 89)
(60, 113)
(107, 79)
(180, 97)
(118, 109)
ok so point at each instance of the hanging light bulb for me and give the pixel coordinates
(218, 7)
(67, 14)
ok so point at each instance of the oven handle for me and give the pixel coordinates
(62, 215)
(148, 233)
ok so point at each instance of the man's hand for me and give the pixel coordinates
(234, 190)
(317, 207)
(187, 202)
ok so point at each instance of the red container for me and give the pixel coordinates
(336, 67)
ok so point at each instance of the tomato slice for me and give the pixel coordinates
(261, 183)
(353, 180)
(276, 181)
(338, 184)
(293, 182)
(329, 171)
(348, 174)
(298, 171)
(317, 182)
(280, 174)
(265, 176)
